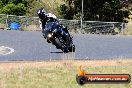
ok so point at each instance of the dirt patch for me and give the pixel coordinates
(32, 28)
(7, 66)
(2, 26)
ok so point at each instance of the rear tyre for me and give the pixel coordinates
(72, 48)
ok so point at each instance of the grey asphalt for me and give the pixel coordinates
(30, 45)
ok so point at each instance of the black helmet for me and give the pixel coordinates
(41, 13)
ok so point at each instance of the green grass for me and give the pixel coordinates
(57, 76)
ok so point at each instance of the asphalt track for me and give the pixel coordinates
(30, 45)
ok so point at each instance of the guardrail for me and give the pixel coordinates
(91, 27)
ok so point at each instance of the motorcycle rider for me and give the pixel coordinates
(49, 17)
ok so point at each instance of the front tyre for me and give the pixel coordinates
(65, 49)
(48, 41)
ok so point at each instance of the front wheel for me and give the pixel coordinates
(48, 41)
(65, 49)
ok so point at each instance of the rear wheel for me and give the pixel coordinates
(72, 48)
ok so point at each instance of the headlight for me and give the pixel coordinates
(49, 35)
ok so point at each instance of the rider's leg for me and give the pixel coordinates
(43, 32)
(43, 28)
(64, 35)
(64, 28)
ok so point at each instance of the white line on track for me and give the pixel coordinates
(6, 50)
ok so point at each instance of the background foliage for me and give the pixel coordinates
(101, 10)
(94, 10)
(14, 7)
(19, 7)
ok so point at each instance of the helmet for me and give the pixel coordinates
(41, 13)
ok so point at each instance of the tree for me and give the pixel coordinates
(14, 7)
(98, 10)
(67, 11)
(5, 2)
(1, 4)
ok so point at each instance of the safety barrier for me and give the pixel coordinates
(90, 27)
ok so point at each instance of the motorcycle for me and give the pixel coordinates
(59, 38)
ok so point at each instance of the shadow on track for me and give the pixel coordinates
(56, 52)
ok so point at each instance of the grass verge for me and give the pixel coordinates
(59, 74)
